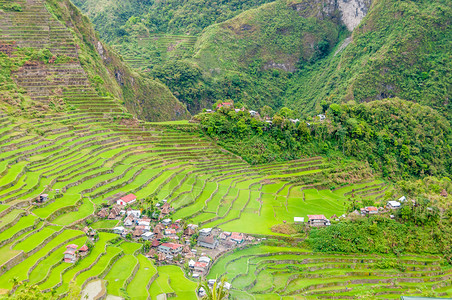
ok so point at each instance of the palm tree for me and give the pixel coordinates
(15, 281)
(217, 292)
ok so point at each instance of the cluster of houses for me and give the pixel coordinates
(321, 220)
(140, 227)
(165, 230)
(390, 205)
(72, 253)
(255, 114)
(209, 239)
(252, 113)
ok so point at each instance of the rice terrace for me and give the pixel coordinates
(96, 203)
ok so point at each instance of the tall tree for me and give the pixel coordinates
(217, 292)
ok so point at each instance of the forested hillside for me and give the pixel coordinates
(113, 19)
(396, 137)
(401, 48)
(286, 53)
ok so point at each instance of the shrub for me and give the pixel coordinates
(12, 7)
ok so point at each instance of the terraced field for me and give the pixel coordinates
(143, 52)
(271, 272)
(96, 151)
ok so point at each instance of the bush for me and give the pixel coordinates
(12, 7)
(382, 235)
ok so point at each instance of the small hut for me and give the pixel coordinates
(151, 253)
(189, 231)
(161, 256)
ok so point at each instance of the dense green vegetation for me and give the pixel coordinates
(256, 46)
(396, 137)
(382, 235)
(117, 19)
(400, 49)
(278, 56)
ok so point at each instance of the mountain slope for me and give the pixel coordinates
(299, 53)
(68, 37)
(146, 98)
(401, 48)
(113, 19)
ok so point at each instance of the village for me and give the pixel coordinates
(256, 115)
(168, 241)
(165, 241)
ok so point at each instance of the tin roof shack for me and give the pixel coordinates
(205, 259)
(207, 241)
(170, 232)
(369, 210)
(83, 251)
(118, 230)
(393, 204)
(237, 237)
(147, 236)
(42, 198)
(205, 232)
(166, 222)
(318, 221)
(134, 212)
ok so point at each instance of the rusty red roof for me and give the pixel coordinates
(83, 248)
(128, 198)
(200, 264)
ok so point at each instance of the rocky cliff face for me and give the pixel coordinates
(349, 12)
(352, 11)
